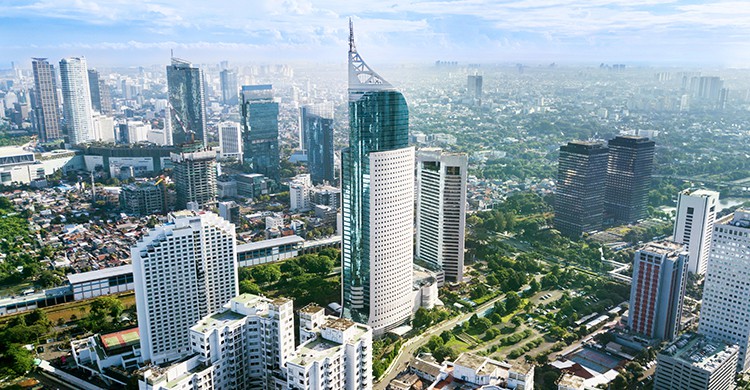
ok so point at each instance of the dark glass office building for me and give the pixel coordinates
(581, 178)
(187, 104)
(260, 130)
(316, 136)
(46, 105)
(229, 84)
(631, 162)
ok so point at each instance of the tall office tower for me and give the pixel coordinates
(187, 103)
(195, 178)
(474, 86)
(725, 313)
(105, 98)
(96, 97)
(709, 88)
(659, 278)
(581, 179)
(316, 136)
(339, 357)
(230, 140)
(378, 201)
(46, 106)
(631, 161)
(229, 89)
(183, 271)
(694, 226)
(260, 130)
(76, 99)
(696, 362)
(441, 210)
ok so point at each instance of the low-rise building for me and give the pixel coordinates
(104, 281)
(108, 356)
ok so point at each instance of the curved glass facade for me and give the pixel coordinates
(378, 122)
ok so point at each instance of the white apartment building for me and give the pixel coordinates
(76, 94)
(441, 211)
(249, 344)
(339, 357)
(725, 313)
(183, 271)
(694, 225)
(230, 140)
(103, 128)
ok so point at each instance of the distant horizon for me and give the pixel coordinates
(118, 33)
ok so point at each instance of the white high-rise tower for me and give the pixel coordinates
(441, 210)
(183, 271)
(694, 226)
(76, 99)
(725, 313)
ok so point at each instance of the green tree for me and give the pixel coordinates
(265, 274)
(18, 359)
(512, 301)
(248, 287)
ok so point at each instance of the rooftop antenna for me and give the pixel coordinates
(171, 53)
(352, 48)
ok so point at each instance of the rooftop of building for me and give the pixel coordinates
(311, 308)
(315, 350)
(248, 300)
(341, 324)
(740, 218)
(482, 365)
(8, 151)
(123, 338)
(251, 246)
(102, 273)
(664, 247)
(702, 193)
(571, 381)
(700, 351)
(216, 320)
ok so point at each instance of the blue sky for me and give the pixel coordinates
(132, 32)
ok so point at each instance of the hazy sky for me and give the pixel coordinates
(133, 32)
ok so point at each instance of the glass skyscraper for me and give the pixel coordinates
(260, 130)
(378, 202)
(228, 80)
(316, 137)
(631, 162)
(187, 104)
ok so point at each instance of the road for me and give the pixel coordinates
(411, 345)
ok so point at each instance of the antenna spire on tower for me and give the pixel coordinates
(352, 48)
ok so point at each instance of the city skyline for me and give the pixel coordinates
(118, 32)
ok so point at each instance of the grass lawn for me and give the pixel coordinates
(458, 345)
(77, 308)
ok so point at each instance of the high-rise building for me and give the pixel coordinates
(696, 362)
(474, 86)
(76, 99)
(581, 178)
(230, 140)
(316, 137)
(96, 97)
(103, 128)
(441, 211)
(300, 189)
(260, 130)
(631, 162)
(338, 357)
(187, 103)
(228, 79)
(378, 202)
(659, 278)
(725, 313)
(694, 226)
(195, 178)
(143, 198)
(183, 271)
(46, 106)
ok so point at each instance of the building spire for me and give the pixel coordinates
(361, 77)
